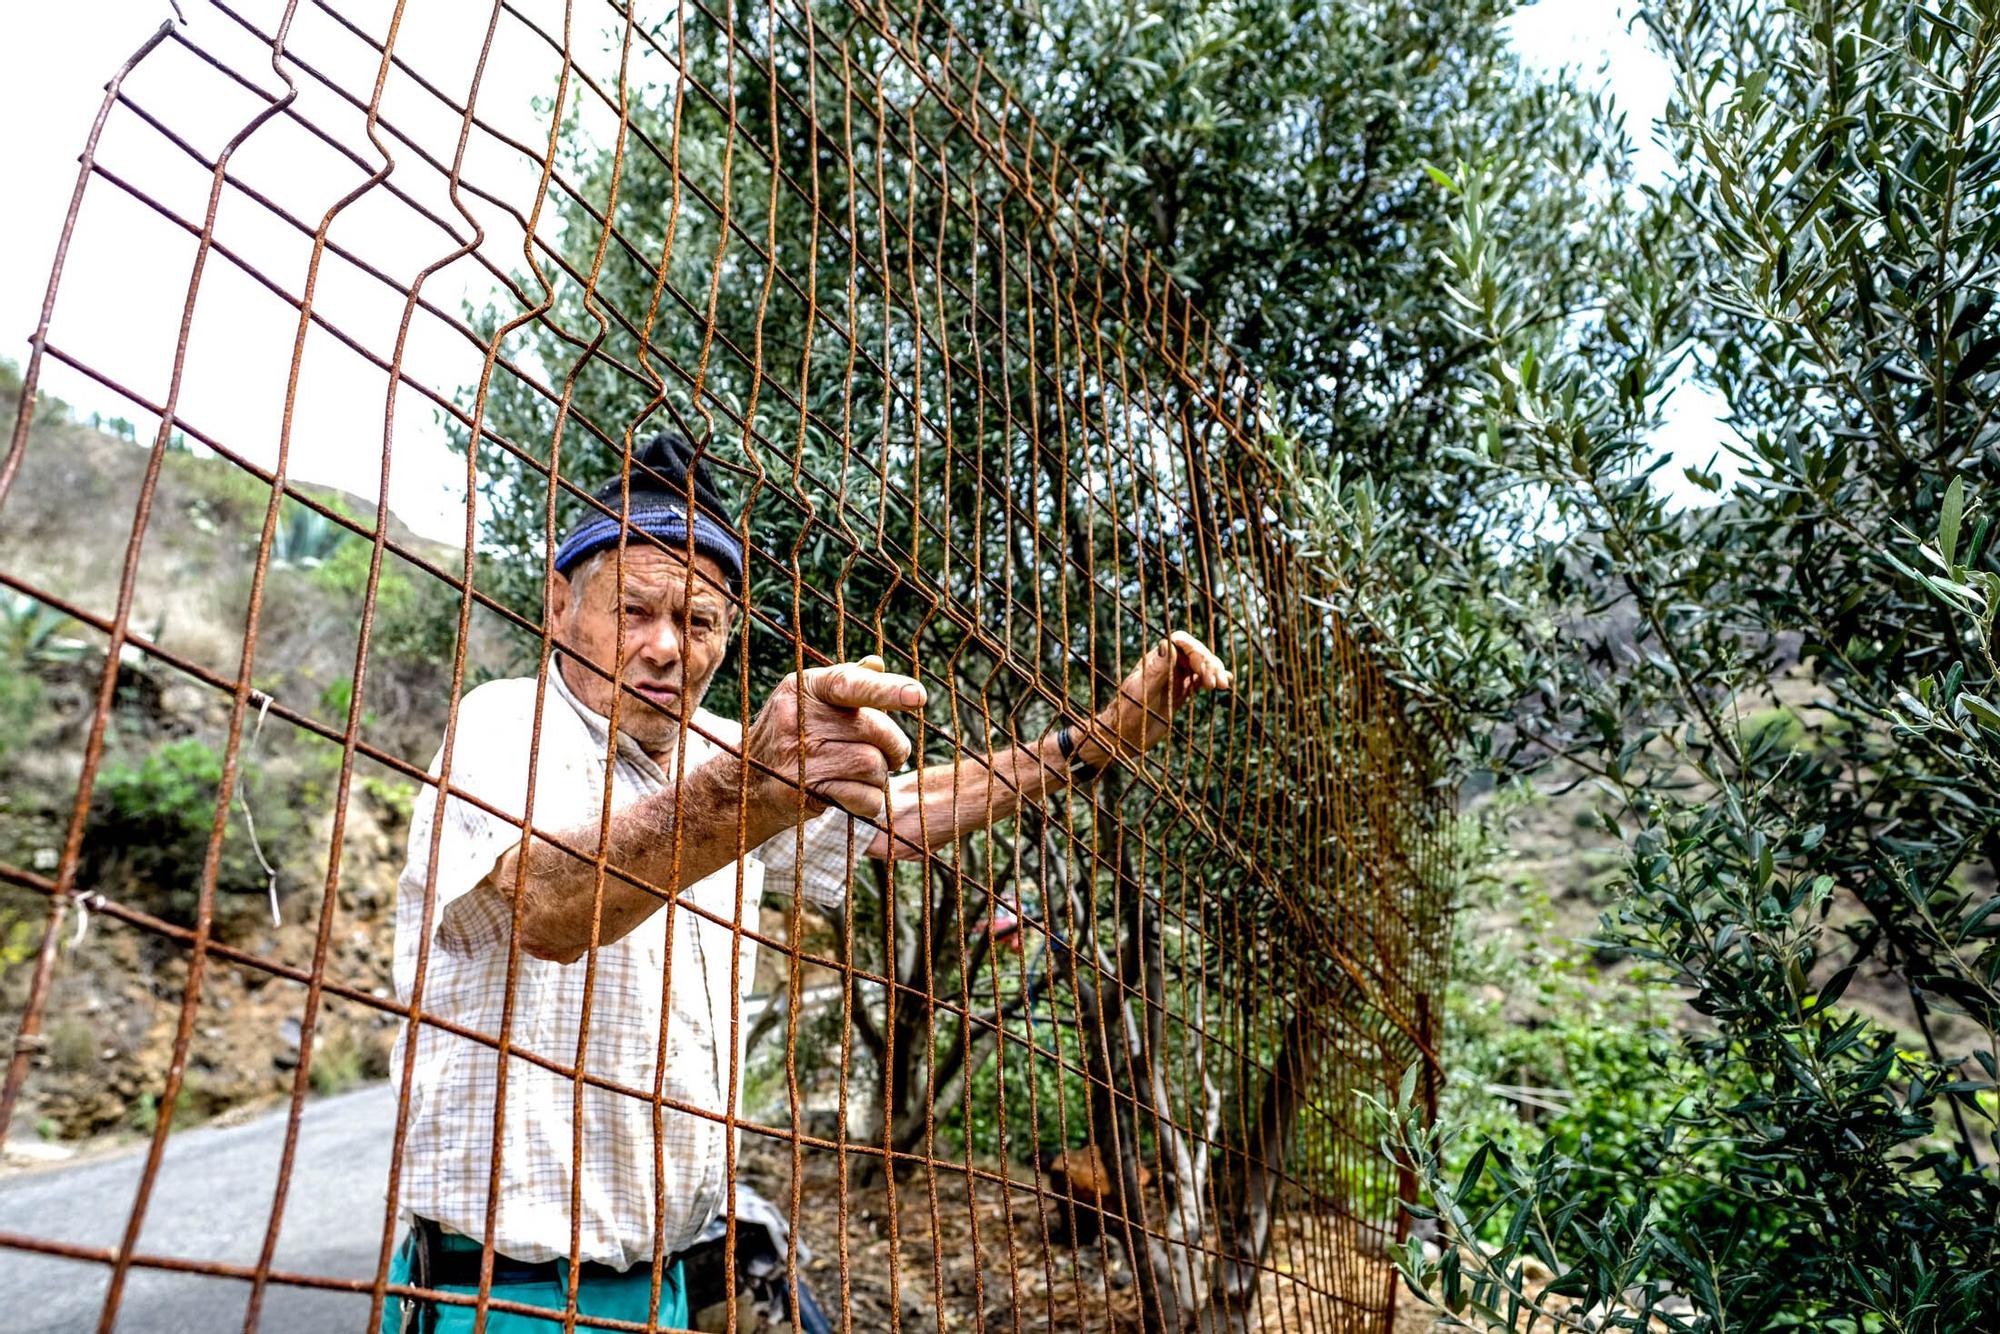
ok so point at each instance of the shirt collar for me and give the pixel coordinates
(598, 726)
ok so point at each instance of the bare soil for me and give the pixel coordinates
(969, 1253)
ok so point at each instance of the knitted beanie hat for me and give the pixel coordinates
(659, 507)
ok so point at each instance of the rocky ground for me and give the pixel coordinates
(114, 1009)
(979, 1256)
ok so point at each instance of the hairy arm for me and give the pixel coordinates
(670, 840)
(823, 738)
(941, 803)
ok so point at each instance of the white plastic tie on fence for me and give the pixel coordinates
(249, 819)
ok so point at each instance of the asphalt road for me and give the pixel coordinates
(212, 1201)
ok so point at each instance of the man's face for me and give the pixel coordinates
(676, 633)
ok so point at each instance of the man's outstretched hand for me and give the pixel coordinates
(1164, 680)
(828, 730)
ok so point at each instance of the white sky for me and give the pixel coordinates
(1593, 36)
(127, 273)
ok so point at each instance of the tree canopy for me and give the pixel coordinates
(1462, 317)
(1823, 257)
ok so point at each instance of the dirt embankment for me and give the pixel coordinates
(115, 1003)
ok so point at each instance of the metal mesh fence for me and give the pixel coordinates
(1071, 1040)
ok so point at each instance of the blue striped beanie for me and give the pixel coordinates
(661, 476)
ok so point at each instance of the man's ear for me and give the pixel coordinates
(559, 597)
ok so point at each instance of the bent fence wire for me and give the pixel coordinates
(1097, 1066)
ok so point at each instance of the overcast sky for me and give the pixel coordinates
(1592, 35)
(125, 281)
(122, 296)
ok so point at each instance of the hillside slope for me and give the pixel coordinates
(116, 997)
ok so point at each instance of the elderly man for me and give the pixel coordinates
(596, 1129)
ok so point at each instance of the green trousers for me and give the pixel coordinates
(629, 1296)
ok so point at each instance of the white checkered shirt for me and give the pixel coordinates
(630, 1163)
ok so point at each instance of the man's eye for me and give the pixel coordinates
(634, 609)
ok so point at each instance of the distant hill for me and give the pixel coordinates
(64, 531)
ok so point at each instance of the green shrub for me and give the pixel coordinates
(1051, 1115)
(416, 619)
(20, 937)
(151, 821)
(1546, 1051)
(336, 700)
(34, 634)
(396, 797)
(306, 538)
(20, 703)
(1776, 730)
(143, 1115)
(173, 789)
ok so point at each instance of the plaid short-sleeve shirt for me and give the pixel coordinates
(574, 1152)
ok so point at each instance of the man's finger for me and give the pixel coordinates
(856, 798)
(1207, 668)
(875, 728)
(852, 685)
(1191, 648)
(840, 760)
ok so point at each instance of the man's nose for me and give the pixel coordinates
(659, 644)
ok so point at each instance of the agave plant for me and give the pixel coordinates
(34, 634)
(305, 538)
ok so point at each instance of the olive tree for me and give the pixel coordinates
(1825, 258)
(771, 239)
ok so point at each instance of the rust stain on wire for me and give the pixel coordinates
(974, 427)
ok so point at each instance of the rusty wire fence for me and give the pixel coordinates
(1094, 1066)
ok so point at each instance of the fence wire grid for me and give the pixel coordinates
(1093, 1065)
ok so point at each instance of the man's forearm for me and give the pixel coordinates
(669, 840)
(942, 803)
(936, 806)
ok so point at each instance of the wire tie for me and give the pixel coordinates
(84, 903)
(250, 820)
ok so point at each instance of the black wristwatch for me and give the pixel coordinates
(1067, 745)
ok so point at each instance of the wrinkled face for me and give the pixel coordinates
(675, 637)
